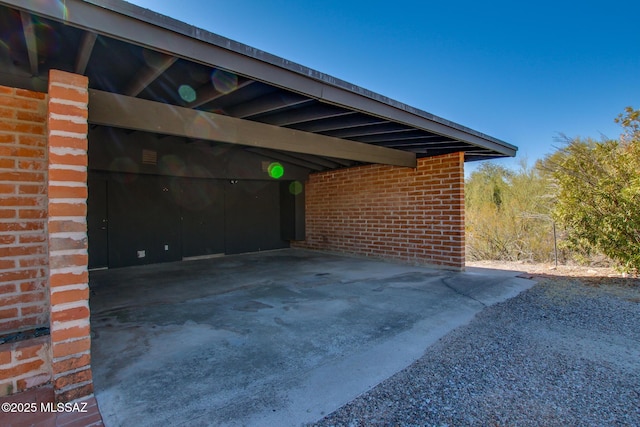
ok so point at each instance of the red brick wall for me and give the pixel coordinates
(67, 225)
(43, 237)
(411, 215)
(24, 298)
(24, 364)
(23, 210)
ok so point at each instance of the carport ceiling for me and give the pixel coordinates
(131, 51)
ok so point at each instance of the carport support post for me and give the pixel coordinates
(67, 235)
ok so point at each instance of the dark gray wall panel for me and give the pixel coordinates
(252, 216)
(97, 222)
(202, 206)
(143, 216)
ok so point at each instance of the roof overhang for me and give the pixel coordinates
(133, 52)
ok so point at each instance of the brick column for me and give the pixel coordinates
(67, 230)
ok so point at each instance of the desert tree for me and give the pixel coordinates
(598, 193)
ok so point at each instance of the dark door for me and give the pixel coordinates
(144, 220)
(252, 216)
(202, 205)
(97, 223)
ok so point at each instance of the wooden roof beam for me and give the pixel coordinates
(110, 109)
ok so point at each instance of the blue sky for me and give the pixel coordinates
(522, 72)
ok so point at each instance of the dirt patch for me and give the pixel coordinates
(560, 280)
(549, 269)
(594, 276)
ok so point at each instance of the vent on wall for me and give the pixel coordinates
(149, 157)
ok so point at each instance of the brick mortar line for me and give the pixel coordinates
(74, 386)
(74, 235)
(64, 288)
(19, 270)
(69, 324)
(22, 245)
(23, 220)
(64, 151)
(68, 270)
(68, 200)
(68, 306)
(71, 372)
(69, 356)
(69, 340)
(25, 147)
(80, 89)
(66, 134)
(68, 167)
(64, 252)
(64, 101)
(29, 359)
(76, 184)
(79, 285)
(78, 219)
(68, 118)
(25, 304)
(40, 370)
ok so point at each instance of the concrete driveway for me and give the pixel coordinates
(276, 338)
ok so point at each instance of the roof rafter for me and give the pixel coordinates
(276, 155)
(210, 93)
(341, 123)
(369, 130)
(151, 72)
(29, 31)
(395, 137)
(432, 144)
(315, 159)
(86, 47)
(266, 104)
(307, 114)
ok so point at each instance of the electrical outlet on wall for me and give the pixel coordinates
(166, 247)
(142, 254)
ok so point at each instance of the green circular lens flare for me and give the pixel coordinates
(295, 188)
(276, 170)
(187, 93)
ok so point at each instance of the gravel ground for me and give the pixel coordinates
(566, 352)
